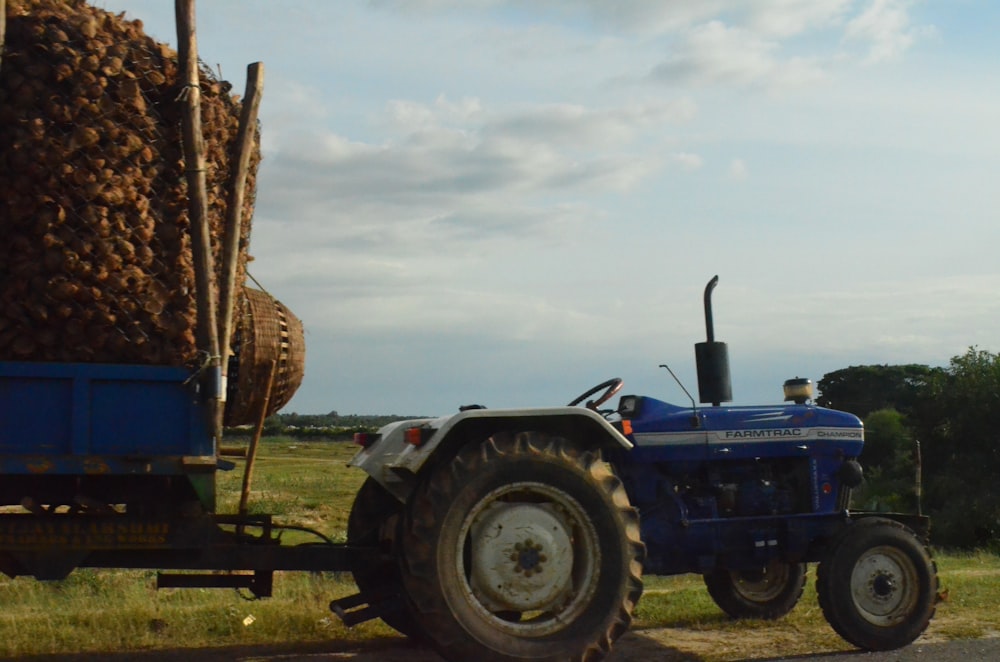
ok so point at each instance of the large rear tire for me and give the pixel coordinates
(374, 522)
(523, 547)
(768, 593)
(878, 585)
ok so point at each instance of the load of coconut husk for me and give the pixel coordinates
(95, 256)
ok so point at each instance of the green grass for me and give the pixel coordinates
(118, 610)
(307, 483)
(303, 483)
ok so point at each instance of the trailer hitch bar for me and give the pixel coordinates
(260, 583)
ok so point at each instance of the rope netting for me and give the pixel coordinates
(95, 256)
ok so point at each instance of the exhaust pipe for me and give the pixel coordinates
(712, 359)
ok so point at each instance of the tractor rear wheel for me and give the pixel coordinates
(878, 585)
(523, 547)
(768, 593)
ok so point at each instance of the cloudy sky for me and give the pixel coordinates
(508, 201)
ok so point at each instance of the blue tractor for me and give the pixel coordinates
(523, 534)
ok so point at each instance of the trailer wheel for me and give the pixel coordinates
(523, 547)
(768, 593)
(374, 522)
(878, 585)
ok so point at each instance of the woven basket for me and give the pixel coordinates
(267, 333)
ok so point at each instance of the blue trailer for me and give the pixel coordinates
(67, 428)
(115, 466)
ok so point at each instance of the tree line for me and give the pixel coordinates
(332, 426)
(932, 442)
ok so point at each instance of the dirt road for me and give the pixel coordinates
(646, 646)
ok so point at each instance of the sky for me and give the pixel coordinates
(505, 202)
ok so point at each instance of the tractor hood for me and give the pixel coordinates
(770, 431)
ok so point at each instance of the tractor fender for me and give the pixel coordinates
(395, 462)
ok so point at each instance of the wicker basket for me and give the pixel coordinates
(267, 332)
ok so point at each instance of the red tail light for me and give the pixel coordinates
(418, 436)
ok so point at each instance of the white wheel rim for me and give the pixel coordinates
(884, 586)
(527, 558)
(764, 588)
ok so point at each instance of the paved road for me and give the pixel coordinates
(976, 650)
(633, 647)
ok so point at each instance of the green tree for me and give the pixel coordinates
(888, 460)
(863, 389)
(958, 422)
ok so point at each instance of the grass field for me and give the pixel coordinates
(307, 483)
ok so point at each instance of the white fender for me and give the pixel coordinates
(394, 462)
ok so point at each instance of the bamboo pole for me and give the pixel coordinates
(3, 28)
(194, 165)
(255, 441)
(234, 217)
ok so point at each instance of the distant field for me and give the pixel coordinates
(307, 483)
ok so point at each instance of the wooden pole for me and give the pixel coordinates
(255, 441)
(234, 217)
(194, 165)
(3, 27)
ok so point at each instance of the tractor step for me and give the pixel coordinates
(362, 607)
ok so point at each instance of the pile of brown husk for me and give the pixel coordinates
(95, 256)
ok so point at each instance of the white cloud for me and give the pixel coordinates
(885, 26)
(774, 44)
(645, 16)
(573, 124)
(411, 115)
(924, 320)
(738, 170)
(458, 162)
(787, 18)
(715, 53)
(687, 160)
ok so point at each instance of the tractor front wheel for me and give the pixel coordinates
(878, 585)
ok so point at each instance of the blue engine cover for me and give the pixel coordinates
(665, 432)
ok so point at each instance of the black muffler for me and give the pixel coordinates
(712, 358)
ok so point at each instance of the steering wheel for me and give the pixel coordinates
(610, 387)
